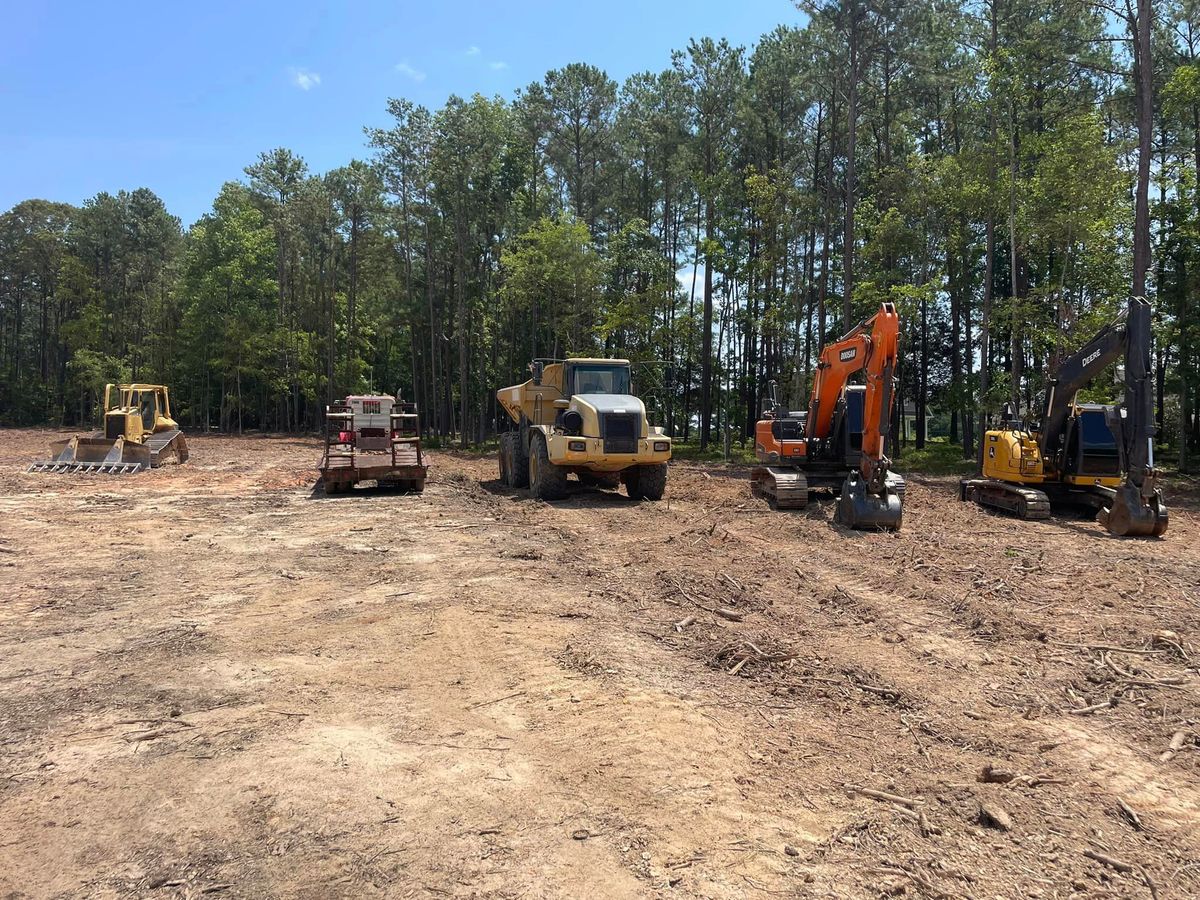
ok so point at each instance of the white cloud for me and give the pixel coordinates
(304, 79)
(498, 65)
(405, 69)
(473, 50)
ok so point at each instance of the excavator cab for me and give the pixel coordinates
(1091, 455)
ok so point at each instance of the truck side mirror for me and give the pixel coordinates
(536, 367)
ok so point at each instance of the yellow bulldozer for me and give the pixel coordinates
(139, 434)
(579, 415)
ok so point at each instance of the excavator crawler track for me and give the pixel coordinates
(1023, 502)
(782, 487)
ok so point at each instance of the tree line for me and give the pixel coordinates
(1006, 171)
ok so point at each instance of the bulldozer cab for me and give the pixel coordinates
(149, 402)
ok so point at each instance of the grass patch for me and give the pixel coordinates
(937, 458)
(715, 453)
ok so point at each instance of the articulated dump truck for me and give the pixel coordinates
(139, 434)
(579, 415)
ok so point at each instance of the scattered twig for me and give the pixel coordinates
(916, 737)
(1131, 815)
(1150, 885)
(497, 700)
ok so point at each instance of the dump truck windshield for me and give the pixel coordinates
(600, 379)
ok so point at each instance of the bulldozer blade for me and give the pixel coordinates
(95, 456)
(1132, 516)
(857, 507)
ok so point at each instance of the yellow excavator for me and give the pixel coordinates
(139, 434)
(1083, 453)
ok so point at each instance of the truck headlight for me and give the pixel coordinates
(578, 446)
(662, 446)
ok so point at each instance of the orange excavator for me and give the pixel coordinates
(839, 441)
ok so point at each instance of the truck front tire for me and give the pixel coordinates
(646, 482)
(546, 480)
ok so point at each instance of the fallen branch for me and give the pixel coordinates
(1110, 861)
(1096, 707)
(1174, 747)
(731, 615)
(1097, 648)
(684, 622)
(882, 795)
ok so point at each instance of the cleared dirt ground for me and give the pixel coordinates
(215, 681)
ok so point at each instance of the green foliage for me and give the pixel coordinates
(693, 218)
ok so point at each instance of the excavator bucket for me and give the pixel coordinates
(858, 507)
(95, 456)
(1131, 515)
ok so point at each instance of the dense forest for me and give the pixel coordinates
(717, 219)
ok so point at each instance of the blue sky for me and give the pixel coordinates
(179, 96)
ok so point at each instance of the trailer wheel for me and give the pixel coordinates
(646, 482)
(546, 480)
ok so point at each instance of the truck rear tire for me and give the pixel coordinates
(520, 461)
(546, 480)
(646, 482)
(514, 467)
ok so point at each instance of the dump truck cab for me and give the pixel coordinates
(580, 416)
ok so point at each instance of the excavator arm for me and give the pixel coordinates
(1138, 507)
(877, 406)
(838, 361)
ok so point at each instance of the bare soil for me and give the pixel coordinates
(217, 682)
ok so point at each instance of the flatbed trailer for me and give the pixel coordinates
(344, 462)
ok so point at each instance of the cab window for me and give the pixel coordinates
(600, 380)
(146, 409)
